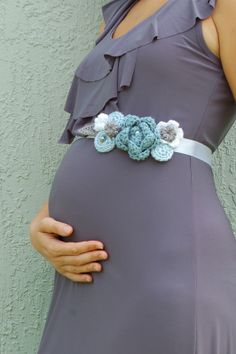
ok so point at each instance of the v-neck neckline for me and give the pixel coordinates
(134, 28)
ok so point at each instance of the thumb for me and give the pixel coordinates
(51, 225)
(65, 230)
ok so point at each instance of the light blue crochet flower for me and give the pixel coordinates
(137, 136)
(103, 143)
(117, 117)
(162, 152)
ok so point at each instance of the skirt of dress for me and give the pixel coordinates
(169, 284)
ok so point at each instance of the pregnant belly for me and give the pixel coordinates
(156, 222)
(142, 213)
(140, 209)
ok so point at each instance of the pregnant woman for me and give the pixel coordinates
(148, 105)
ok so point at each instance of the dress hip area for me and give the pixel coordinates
(169, 284)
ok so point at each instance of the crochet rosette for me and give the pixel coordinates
(141, 137)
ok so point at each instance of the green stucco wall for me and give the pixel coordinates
(41, 44)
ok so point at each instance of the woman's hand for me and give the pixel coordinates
(73, 260)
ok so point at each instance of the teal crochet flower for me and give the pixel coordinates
(162, 152)
(137, 136)
(103, 142)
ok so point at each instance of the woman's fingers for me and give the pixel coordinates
(81, 278)
(77, 273)
(73, 267)
(86, 268)
(83, 258)
(58, 248)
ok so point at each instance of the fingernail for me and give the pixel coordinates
(67, 229)
(101, 246)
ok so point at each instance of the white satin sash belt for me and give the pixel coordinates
(189, 147)
(196, 149)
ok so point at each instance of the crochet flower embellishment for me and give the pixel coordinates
(139, 136)
(107, 127)
(169, 132)
(169, 135)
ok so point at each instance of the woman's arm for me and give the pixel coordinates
(224, 17)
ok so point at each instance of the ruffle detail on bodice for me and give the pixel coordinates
(92, 88)
(110, 65)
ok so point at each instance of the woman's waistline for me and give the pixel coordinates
(142, 137)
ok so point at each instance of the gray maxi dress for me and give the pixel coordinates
(169, 284)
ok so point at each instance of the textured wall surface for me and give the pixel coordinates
(41, 43)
